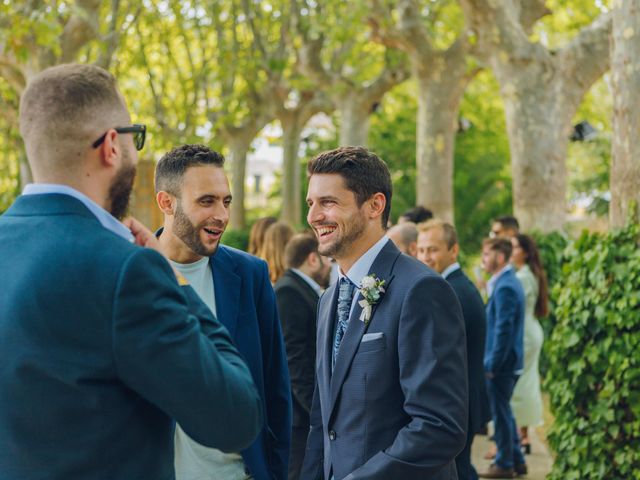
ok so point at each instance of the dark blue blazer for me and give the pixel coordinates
(246, 305)
(101, 350)
(475, 322)
(395, 406)
(504, 351)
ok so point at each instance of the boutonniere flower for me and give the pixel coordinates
(371, 289)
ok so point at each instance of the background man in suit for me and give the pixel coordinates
(503, 360)
(438, 248)
(506, 226)
(405, 236)
(297, 294)
(391, 393)
(193, 193)
(101, 347)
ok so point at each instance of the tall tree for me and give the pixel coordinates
(625, 65)
(541, 89)
(35, 35)
(442, 75)
(336, 54)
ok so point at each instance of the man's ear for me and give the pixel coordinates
(455, 250)
(166, 202)
(109, 149)
(377, 202)
(312, 260)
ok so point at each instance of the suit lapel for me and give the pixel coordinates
(227, 284)
(327, 315)
(382, 268)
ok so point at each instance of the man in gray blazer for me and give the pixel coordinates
(391, 389)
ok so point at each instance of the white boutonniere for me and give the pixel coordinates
(371, 289)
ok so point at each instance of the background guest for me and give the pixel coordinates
(297, 294)
(438, 248)
(526, 402)
(276, 238)
(416, 215)
(506, 226)
(405, 236)
(256, 235)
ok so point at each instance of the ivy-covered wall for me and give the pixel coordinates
(594, 359)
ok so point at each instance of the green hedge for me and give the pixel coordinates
(594, 374)
(237, 239)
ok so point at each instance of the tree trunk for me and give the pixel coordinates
(238, 148)
(439, 94)
(291, 186)
(538, 139)
(625, 168)
(354, 121)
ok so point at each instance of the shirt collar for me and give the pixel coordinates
(450, 269)
(491, 284)
(312, 283)
(107, 220)
(361, 268)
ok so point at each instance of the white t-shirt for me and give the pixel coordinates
(193, 461)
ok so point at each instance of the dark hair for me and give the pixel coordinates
(501, 245)
(418, 214)
(530, 249)
(365, 174)
(299, 248)
(508, 221)
(173, 164)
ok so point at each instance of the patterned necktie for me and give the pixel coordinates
(345, 296)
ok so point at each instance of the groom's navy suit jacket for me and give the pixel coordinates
(101, 350)
(246, 305)
(396, 403)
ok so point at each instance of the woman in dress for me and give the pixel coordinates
(526, 401)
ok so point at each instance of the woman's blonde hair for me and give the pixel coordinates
(276, 238)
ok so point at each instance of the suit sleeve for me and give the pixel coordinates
(276, 379)
(298, 328)
(170, 349)
(313, 464)
(506, 308)
(433, 378)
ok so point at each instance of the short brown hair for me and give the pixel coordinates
(299, 248)
(364, 173)
(63, 108)
(448, 231)
(501, 245)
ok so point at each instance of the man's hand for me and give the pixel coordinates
(143, 236)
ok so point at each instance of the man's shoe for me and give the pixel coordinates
(521, 469)
(495, 471)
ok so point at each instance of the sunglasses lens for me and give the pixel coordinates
(139, 139)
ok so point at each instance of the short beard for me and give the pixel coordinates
(120, 191)
(355, 227)
(190, 233)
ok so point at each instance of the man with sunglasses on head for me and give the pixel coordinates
(103, 345)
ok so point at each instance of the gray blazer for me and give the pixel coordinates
(396, 403)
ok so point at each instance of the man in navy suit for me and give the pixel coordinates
(297, 294)
(503, 359)
(193, 194)
(391, 393)
(101, 347)
(438, 248)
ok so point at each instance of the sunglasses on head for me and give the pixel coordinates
(139, 133)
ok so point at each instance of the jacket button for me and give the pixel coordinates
(332, 435)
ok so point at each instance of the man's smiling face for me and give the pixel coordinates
(334, 214)
(202, 212)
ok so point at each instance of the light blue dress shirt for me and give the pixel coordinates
(107, 220)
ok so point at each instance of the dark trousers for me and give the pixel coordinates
(296, 454)
(463, 462)
(500, 389)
